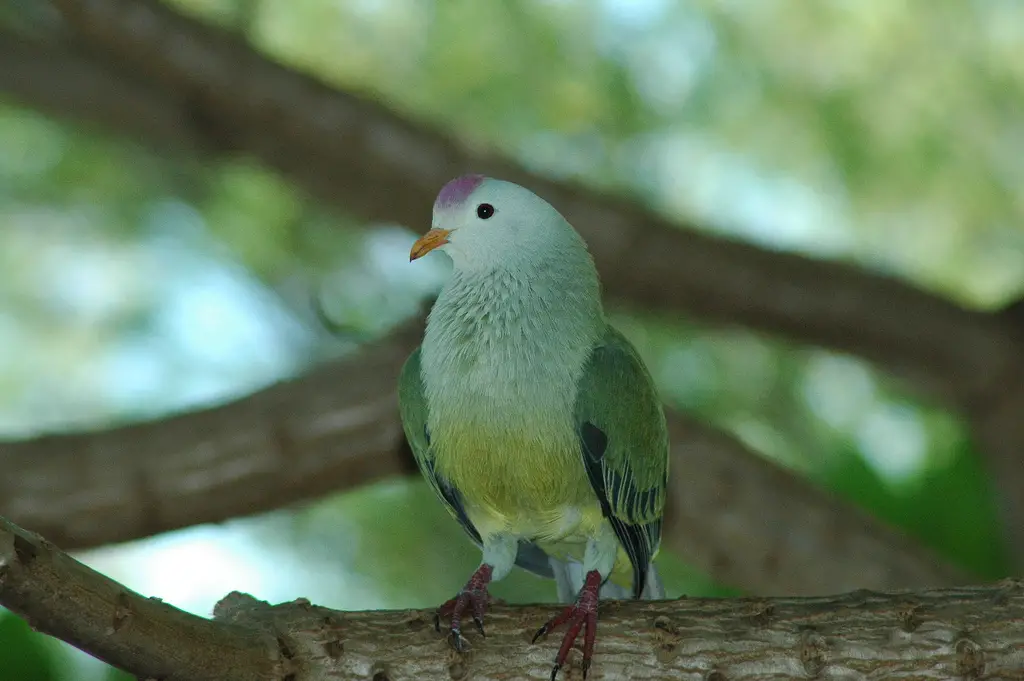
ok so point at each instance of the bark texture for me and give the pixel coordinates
(60, 596)
(335, 428)
(970, 633)
(965, 633)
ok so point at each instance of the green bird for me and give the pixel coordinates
(534, 421)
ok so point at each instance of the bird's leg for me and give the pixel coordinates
(499, 557)
(580, 615)
(474, 596)
(598, 561)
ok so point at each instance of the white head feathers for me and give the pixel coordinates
(488, 224)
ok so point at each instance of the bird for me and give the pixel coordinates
(535, 422)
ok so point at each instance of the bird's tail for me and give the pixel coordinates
(569, 580)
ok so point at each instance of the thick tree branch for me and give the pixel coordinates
(72, 84)
(969, 633)
(742, 519)
(335, 428)
(59, 596)
(747, 522)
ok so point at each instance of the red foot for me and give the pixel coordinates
(581, 615)
(474, 595)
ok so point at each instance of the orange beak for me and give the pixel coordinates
(428, 242)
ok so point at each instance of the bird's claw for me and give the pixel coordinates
(581, 616)
(458, 641)
(475, 598)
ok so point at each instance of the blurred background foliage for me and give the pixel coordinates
(884, 133)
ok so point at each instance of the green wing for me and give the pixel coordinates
(412, 405)
(624, 440)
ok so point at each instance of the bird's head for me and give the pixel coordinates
(484, 223)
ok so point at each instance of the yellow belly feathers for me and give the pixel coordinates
(529, 484)
(533, 486)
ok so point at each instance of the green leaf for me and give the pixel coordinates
(24, 654)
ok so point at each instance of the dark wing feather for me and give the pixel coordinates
(624, 442)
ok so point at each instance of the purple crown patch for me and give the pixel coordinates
(457, 190)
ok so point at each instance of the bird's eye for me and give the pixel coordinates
(484, 211)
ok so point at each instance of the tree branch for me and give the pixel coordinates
(334, 428)
(969, 633)
(747, 522)
(741, 519)
(59, 596)
(69, 83)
